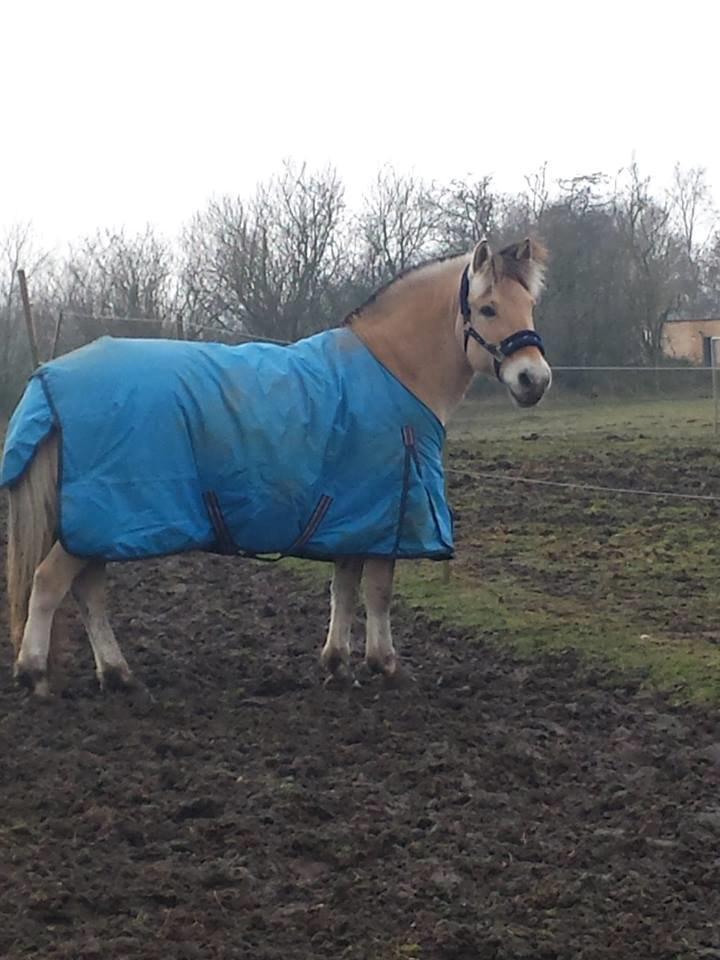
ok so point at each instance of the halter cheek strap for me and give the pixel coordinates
(498, 351)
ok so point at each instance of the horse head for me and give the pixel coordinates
(497, 295)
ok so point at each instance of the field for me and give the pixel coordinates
(634, 579)
(546, 788)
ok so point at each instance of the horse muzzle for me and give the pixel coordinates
(527, 377)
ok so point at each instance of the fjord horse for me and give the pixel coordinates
(433, 328)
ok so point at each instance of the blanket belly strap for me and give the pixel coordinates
(408, 438)
(223, 538)
(316, 518)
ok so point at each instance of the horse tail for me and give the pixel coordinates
(32, 526)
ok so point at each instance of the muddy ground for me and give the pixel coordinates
(492, 809)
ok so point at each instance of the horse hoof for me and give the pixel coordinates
(395, 675)
(119, 680)
(116, 679)
(33, 680)
(336, 666)
(387, 666)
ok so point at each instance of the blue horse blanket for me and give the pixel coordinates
(312, 450)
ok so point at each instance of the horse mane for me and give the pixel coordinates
(399, 277)
(528, 273)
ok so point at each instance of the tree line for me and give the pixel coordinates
(294, 257)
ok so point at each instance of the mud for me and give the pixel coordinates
(493, 809)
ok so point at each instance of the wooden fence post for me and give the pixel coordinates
(56, 335)
(22, 280)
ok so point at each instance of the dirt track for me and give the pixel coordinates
(491, 810)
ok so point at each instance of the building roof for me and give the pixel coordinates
(693, 320)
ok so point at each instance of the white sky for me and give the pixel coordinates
(119, 112)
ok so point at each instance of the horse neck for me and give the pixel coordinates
(411, 330)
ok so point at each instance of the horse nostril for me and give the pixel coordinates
(525, 380)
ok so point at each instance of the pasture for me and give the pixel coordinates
(547, 787)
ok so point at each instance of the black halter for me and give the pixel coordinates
(498, 351)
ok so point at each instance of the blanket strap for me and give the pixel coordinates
(225, 542)
(316, 518)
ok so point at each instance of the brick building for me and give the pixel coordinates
(690, 340)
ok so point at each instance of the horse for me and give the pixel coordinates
(428, 332)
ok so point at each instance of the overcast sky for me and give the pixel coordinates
(119, 112)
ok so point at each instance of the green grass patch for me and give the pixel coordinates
(531, 623)
(563, 416)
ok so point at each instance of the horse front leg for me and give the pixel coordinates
(380, 654)
(335, 656)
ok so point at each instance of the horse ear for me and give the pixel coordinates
(531, 257)
(524, 250)
(482, 255)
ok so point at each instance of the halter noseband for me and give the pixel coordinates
(498, 351)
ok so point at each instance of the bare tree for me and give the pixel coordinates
(656, 259)
(710, 276)
(466, 212)
(693, 214)
(18, 250)
(300, 214)
(691, 199)
(111, 280)
(268, 267)
(223, 265)
(582, 311)
(398, 225)
(537, 193)
(584, 193)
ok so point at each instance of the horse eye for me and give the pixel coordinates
(488, 311)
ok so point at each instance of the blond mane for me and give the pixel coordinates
(419, 271)
(523, 262)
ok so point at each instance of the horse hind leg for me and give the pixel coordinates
(89, 591)
(39, 571)
(335, 655)
(32, 521)
(50, 584)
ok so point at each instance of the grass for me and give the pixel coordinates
(572, 416)
(689, 668)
